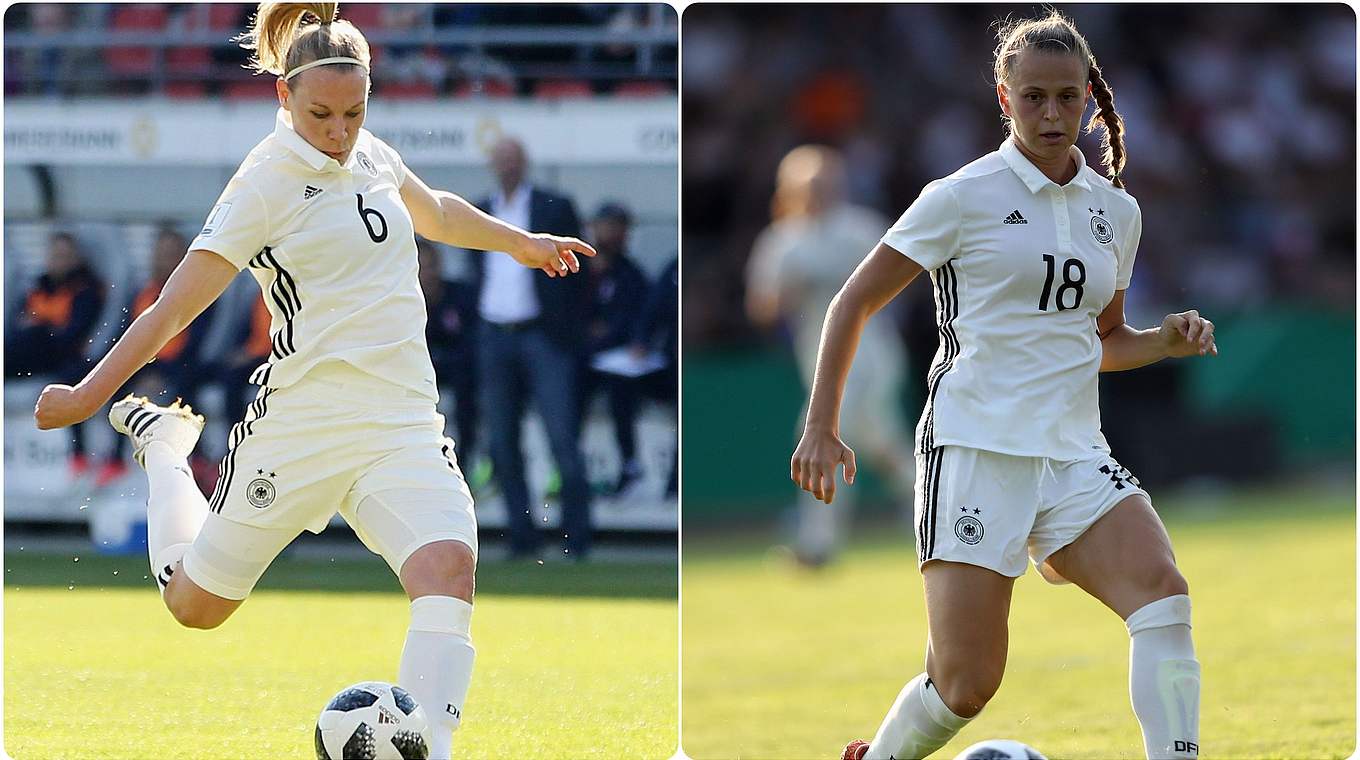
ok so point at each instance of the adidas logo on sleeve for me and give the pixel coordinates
(1015, 218)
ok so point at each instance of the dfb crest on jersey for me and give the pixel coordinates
(969, 530)
(260, 493)
(1101, 229)
(366, 163)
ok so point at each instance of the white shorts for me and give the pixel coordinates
(339, 440)
(987, 509)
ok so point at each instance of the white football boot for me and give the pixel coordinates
(144, 422)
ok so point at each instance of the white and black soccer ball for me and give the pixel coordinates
(373, 721)
(1000, 749)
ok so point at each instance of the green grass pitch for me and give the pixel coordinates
(572, 661)
(785, 664)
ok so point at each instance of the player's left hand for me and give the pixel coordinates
(555, 255)
(1188, 334)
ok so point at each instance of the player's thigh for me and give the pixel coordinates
(224, 563)
(414, 498)
(1124, 559)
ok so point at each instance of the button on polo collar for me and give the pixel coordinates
(1030, 174)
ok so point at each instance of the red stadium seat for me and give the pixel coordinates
(135, 61)
(365, 16)
(256, 88)
(188, 61)
(226, 15)
(490, 88)
(562, 88)
(642, 89)
(185, 89)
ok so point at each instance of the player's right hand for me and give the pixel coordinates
(61, 405)
(814, 463)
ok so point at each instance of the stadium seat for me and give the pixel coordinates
(490, 88)
(366, 16)
(406, 90)
(185, 89)
(226, 15)
(134, 61)
(188, 61)
(257, 88)
(562, 88)
(642, 89)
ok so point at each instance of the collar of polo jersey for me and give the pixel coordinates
(284, 133)
(1030, 174)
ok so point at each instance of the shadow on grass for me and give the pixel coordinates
(607, 580)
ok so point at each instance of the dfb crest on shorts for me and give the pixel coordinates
(366, 163)
(1101, 229)
(260, 492)
(968, 529)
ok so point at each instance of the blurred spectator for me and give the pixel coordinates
(658, 332)
(618, 290)
(52, 70)
(451, 331)
(531, 347)
(175, 370)
(50, 333)
(799, 263)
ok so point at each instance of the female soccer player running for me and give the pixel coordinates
(324, 214)
(1029, 251)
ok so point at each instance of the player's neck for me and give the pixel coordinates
(1061, 169)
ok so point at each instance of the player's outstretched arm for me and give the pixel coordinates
(447, 218)
(877, 279)
(198, 280)
(1125, 347)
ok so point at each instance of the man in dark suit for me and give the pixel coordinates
(531, 347)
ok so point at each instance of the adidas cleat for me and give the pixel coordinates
(855, 750)
(143, 422)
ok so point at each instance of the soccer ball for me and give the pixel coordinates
(1000, 749)
(372, 721)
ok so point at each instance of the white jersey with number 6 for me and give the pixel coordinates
(334, 251)
(1021, 268)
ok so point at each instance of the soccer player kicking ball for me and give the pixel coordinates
(324, 215)
(1029, 252)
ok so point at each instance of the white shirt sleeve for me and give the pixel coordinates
(238, 226)
(391, 157)
(1128, 251)
(928, 232)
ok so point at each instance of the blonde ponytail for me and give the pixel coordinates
(287, 35)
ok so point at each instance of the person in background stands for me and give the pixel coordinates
(450, 330)
(531, 347)
(60, 313)
(618, 291)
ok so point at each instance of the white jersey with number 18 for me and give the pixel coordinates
(333, 249)
(1021, 268)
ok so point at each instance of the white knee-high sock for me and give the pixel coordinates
(436, 664)
(175, 510)
(1164, 678)
(918, 723)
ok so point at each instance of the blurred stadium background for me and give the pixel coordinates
(1241, 124)
(122, 120)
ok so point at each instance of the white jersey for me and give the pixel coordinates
(807, 261)
(1021, 268)
(334, 252)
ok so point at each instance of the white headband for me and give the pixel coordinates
(324, 62)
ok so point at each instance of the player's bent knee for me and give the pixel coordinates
(1166, 580)
(966, 695)
(192, 607)
(443, 568)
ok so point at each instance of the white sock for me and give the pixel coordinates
(175, 510)
(918, 723)
(1164, 678)
(436, 664)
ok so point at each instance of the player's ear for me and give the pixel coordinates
(281, 89)
(1003, 99)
